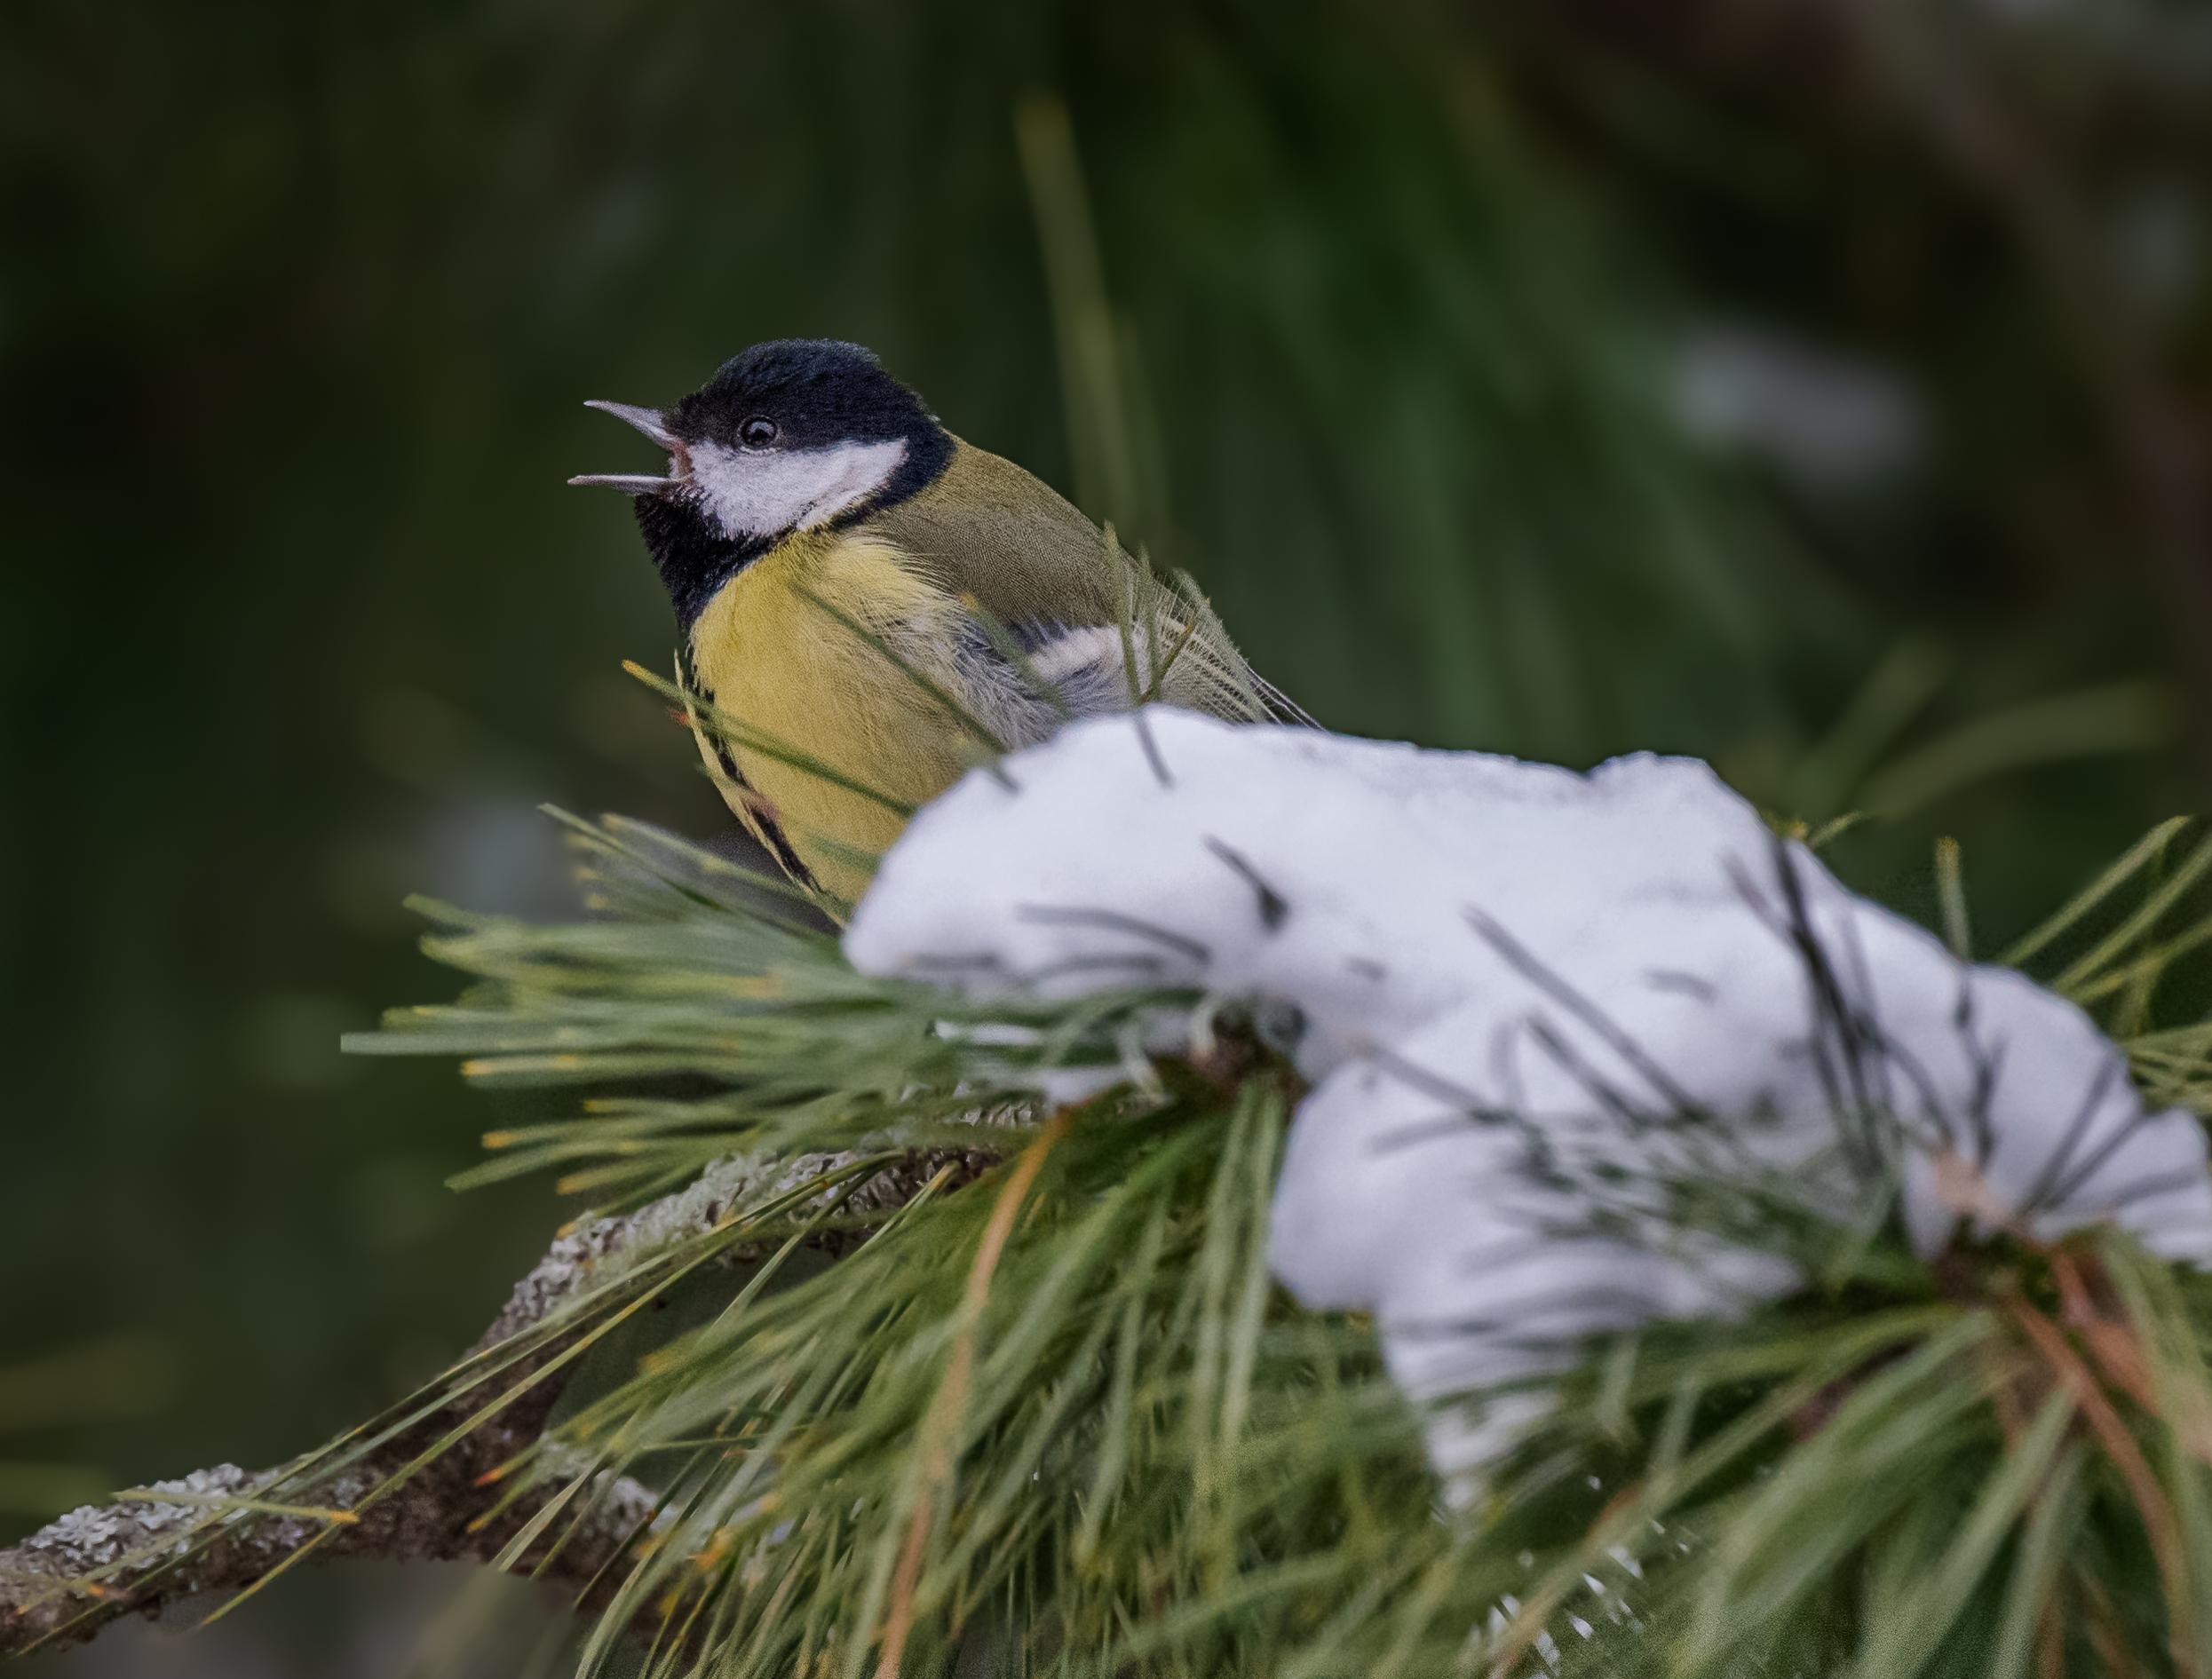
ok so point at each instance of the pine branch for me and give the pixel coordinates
(226, 1530)
(584, 1253)
(62, 1584)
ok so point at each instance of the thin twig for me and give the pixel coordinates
(433, 1489)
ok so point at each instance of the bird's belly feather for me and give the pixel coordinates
(784, 668)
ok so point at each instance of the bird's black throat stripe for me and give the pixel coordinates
(694, 559)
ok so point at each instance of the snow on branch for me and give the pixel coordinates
(1535, 1005)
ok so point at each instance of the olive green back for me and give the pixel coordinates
(987, 528)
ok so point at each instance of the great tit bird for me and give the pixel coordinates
(857, 589)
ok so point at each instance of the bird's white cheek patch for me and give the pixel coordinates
(760, 493)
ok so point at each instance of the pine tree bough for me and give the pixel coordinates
(66, 1582)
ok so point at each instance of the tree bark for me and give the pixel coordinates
(407, 1499)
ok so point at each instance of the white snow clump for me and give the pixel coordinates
(1529, 996)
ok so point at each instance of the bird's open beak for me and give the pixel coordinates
(649, 422)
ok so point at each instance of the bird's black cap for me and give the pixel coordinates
(816, 391)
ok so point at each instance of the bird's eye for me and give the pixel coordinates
(757, 433)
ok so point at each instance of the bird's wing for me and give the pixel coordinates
(1030, 678)
(1089, 632)
(987, 529)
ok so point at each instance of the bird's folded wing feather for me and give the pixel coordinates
(985, 529)
(989, 531)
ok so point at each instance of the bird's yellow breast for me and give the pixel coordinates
(791, 673)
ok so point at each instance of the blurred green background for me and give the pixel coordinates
(1825, 389)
